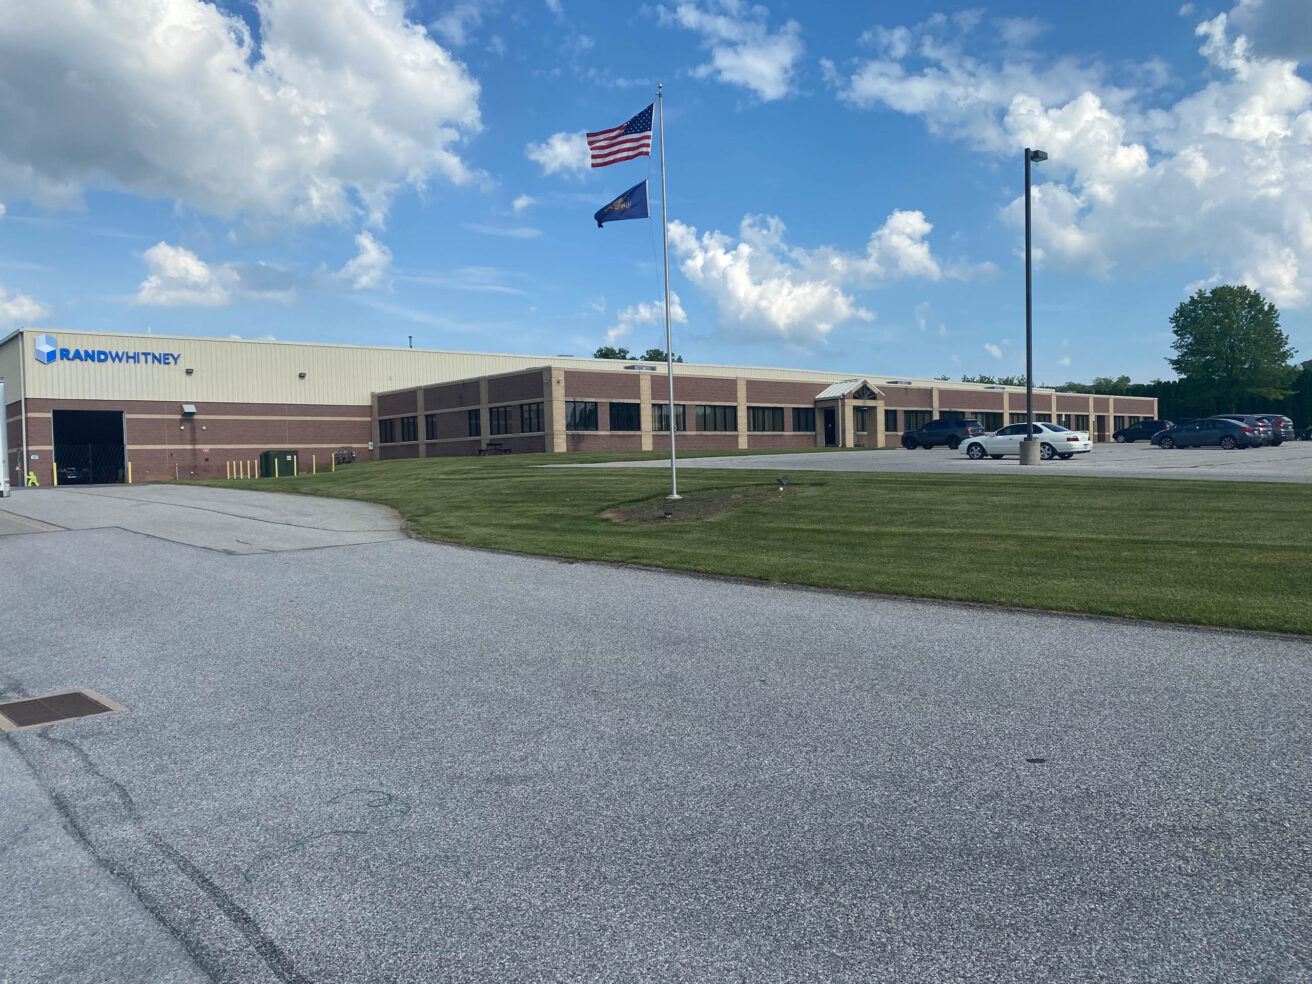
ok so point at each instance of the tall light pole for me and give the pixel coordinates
(1029, 448)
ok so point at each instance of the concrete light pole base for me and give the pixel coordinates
(1029, 452)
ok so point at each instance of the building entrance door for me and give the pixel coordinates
(831, 428)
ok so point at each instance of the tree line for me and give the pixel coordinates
(1230, 357)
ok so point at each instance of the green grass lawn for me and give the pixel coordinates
(1211, 553)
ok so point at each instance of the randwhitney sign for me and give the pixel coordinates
(48, 351)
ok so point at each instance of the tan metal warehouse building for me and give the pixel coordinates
(94, 407)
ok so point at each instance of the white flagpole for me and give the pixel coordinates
(669, 345)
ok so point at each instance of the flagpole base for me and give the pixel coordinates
(674, 495)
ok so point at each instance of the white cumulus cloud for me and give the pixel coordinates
(523, 202)
(336, 106)
(1222, 177)
(179, 278)
(562, 153)
(370, 266)
(744, 51)
(765, 289)
(20, 309)
(642, 314)
(993, 350)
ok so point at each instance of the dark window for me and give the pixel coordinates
(409, 428)
(1118, 422)
(498, 420)
(765, 419)
(660, 418)
(430, 426)
(475, 424)
(804, 418)
(952, 414)
(580, 415)
(1081, 422)
(989, 421)
(716, 418)
(530, 418)
(387, 431)
(890, 420)
(861, 419)
(626, 416)
(915, 419)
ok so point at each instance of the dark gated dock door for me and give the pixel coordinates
(89, 446)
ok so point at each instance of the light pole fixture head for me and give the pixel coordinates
(1038, 155)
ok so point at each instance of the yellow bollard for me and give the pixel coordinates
(54, 473)
(129, 473)
(334, 461)
(227, 470)
(296, 467)
(275, 466)
(314, 464)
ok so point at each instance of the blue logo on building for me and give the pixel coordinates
(46, 349)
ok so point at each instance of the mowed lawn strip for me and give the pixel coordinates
(1228, 554)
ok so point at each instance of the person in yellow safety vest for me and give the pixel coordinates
(31, 480)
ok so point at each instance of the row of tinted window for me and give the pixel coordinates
(582, 415)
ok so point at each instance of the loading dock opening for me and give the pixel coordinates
(89, 446)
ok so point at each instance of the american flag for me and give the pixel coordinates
(622, 143)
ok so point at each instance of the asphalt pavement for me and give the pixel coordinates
(1290, 462)
(402, 761)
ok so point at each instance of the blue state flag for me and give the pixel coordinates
(630, 205)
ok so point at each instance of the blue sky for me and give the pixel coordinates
(844, 180)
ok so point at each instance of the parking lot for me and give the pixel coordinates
(392, 760)
(1290, 462)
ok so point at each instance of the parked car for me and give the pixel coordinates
(1282, 428)
(1218, 432)
(1262, 427)
(1055, 442)
(942, 431)
(1142, 431)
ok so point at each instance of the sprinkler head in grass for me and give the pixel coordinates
(783, 480)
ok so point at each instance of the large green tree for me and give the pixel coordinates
(1229, 345)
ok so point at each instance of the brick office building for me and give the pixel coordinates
(92, 405)
(562, 407)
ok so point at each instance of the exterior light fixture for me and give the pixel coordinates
(300, 375)
(667, 510)
(190, 370)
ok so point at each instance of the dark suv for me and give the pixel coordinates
(1142, 431)
(942, 431)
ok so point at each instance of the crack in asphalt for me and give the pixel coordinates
(221, 937)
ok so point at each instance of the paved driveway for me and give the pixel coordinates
(1290, 462)
(401, 761)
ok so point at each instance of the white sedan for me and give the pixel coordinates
(1055, 442)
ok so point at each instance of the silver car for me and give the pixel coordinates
(1282, 428)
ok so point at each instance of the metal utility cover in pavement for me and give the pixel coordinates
(36, 712)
